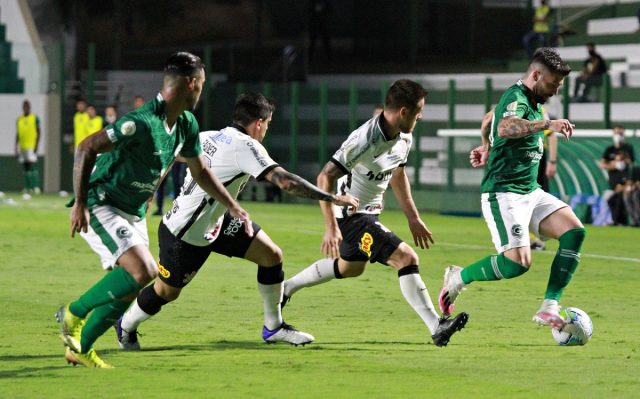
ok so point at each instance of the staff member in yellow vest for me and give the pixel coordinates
(94, 124)
(541, 29)
(27, 139)
(80, 122)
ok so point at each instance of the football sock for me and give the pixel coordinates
(27, 180)
(36, 179)
(270, 285)
(320, 272)
(565, 262)
(494, 267)
(100, 320)
(113, 285)
(146, 305)
(416, 294)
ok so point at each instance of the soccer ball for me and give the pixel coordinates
(577, 330)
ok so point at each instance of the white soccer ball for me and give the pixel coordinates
(577, 330)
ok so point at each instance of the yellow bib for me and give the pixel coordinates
(27, 132)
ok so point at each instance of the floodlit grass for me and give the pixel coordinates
(369, 342)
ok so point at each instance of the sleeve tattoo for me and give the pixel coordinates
(296, 185)
(517, 127)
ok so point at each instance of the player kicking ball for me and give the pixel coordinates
(372, 158)
(197, 225)
(512, 200)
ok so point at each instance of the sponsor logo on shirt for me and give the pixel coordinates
(366, 241)
(144, 186)
(380, 176)
(259, 157)
(209, 148)
(163, 272)
(222, 138)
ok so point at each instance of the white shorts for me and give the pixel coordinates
(507, 215)
(111, 232)
(27, 156)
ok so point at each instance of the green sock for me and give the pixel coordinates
(36, 179)
(565, 262)
(27, 180)
(113, 285)
(100, 320)
(491, 268)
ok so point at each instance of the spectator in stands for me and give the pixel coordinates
(80, 119)
(94, 124)
(110, 114)
(631, 196)
(138, 101)
(319, 12)
(540, 31)
(618, 160)
(592, 73)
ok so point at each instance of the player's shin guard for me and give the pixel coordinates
(116, 284)
(319, 272)
(100, 320)
(565, 262)
(415, 292)
(146, 305)
(491, 268)
(270, 285)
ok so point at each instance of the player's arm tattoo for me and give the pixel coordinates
(296, 185)
(85, 159)
(512, 128)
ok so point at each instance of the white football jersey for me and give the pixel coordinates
(234, 157)
(369, 159)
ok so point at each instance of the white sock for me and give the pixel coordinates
(415, 292)
(319, 272)
(133, 317)
(271, 298)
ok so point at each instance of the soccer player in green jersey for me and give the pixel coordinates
(512, 200)
(111, 194)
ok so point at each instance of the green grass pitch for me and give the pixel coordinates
(369, 342)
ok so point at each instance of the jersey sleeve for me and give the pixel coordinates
(192, 146)
(409, 140)
(254, 159)
(514, 106)
(347, 156)
(126, 129)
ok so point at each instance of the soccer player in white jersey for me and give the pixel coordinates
(198, 225)
(370, 159)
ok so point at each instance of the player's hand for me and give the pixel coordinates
(331, 243)
(562, 126)
(79, 219)
(551, 169)
(421, 234)
(346, 200)
(242, 215)
(478, 156)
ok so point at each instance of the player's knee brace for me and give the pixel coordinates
(572, 239)
(270, 275)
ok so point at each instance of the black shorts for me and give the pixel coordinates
(180, 261)
(365, 238)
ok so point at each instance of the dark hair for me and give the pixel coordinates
(251, 106)
(183, 64)
(404, 93)
(591, 44)
(550, 59)
(618, 126)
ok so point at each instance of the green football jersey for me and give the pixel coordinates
(145, 148)
(513, 163)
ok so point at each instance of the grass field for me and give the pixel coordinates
(369, 342)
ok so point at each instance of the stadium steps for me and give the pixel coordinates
(9, 80)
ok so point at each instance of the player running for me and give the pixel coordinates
(372, 158)
(512, 200)
(111, 192)
(198, 225)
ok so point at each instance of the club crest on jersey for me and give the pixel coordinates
(516, 230)
(163, 272)
(128, 128)
(123, 232)
(366, 241)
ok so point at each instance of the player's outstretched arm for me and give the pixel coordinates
(478, 156)
(326, 180)
(83, 164)
(513, 127)
(296, 185)
(212, 186)
(402, 189)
